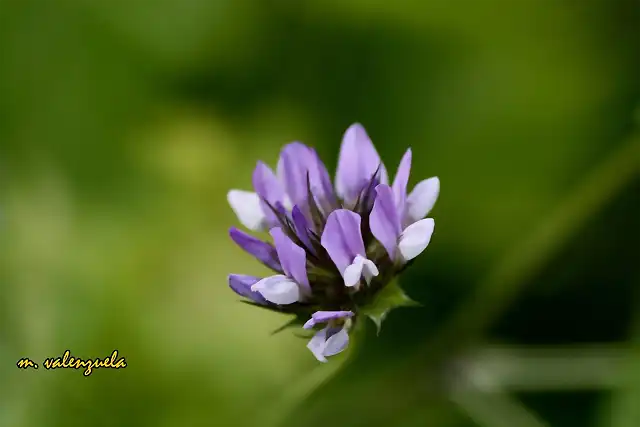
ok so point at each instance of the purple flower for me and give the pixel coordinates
(343, 242)
(331, 340)
(333, 251)
(397, 219)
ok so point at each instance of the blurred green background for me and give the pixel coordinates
(124, 123)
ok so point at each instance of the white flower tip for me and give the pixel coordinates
(370, 271)
(361, 266)
(278, 289)
(246, 206)
(422, 198)
(415, 238)
(352, 274)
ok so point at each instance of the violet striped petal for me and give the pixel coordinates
(241, 285)
(325, 316)
(298, 163)
(400, 183)
(357, 163)
(263, 251)
(384, 220)
(293, 167)
(292, 258)
(321, 186)
(269, 189)
(342, 238)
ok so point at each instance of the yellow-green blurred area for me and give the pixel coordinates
(123, 124)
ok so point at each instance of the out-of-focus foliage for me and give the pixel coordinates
(124, 123)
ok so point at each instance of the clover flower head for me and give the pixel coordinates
(333, 250)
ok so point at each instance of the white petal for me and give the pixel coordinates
(246, 205)
(278, 289)
(370, 270)
(317, 345)
(422, 198)
(336, 343)
(415, 238)
(353, 272)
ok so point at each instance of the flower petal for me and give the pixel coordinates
(384, 220)
(325, 316)
(400, 182)
(360, 266)
(268, 188)
(293, 167)
(263, 251)
(321, 186)
(298, 163)
(336, 343)
(317, 344)
(353, 273)
(241, 285)
(292, 257)
(369, 271)
(246, 206)
(342, 238)
(422, 198)
(357, 163)
(278, 289)
(415, 238)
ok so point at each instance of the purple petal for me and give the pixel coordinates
(278, 289)
(302, 227)
(357, 163)
(269, 189)
(293, 167)
(321, 184)
(263, 251)
(400, 183)
(299, 162)
(336, 343)
(292, 257)
(421, 200)
(415, 238)
(317, 345)
(325, 316)
(241, 285)
(384, 220)
(342, 238)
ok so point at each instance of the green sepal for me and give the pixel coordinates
(389, 297)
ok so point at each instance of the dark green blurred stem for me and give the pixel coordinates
(418, 379)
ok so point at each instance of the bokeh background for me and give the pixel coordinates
(124, 123)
